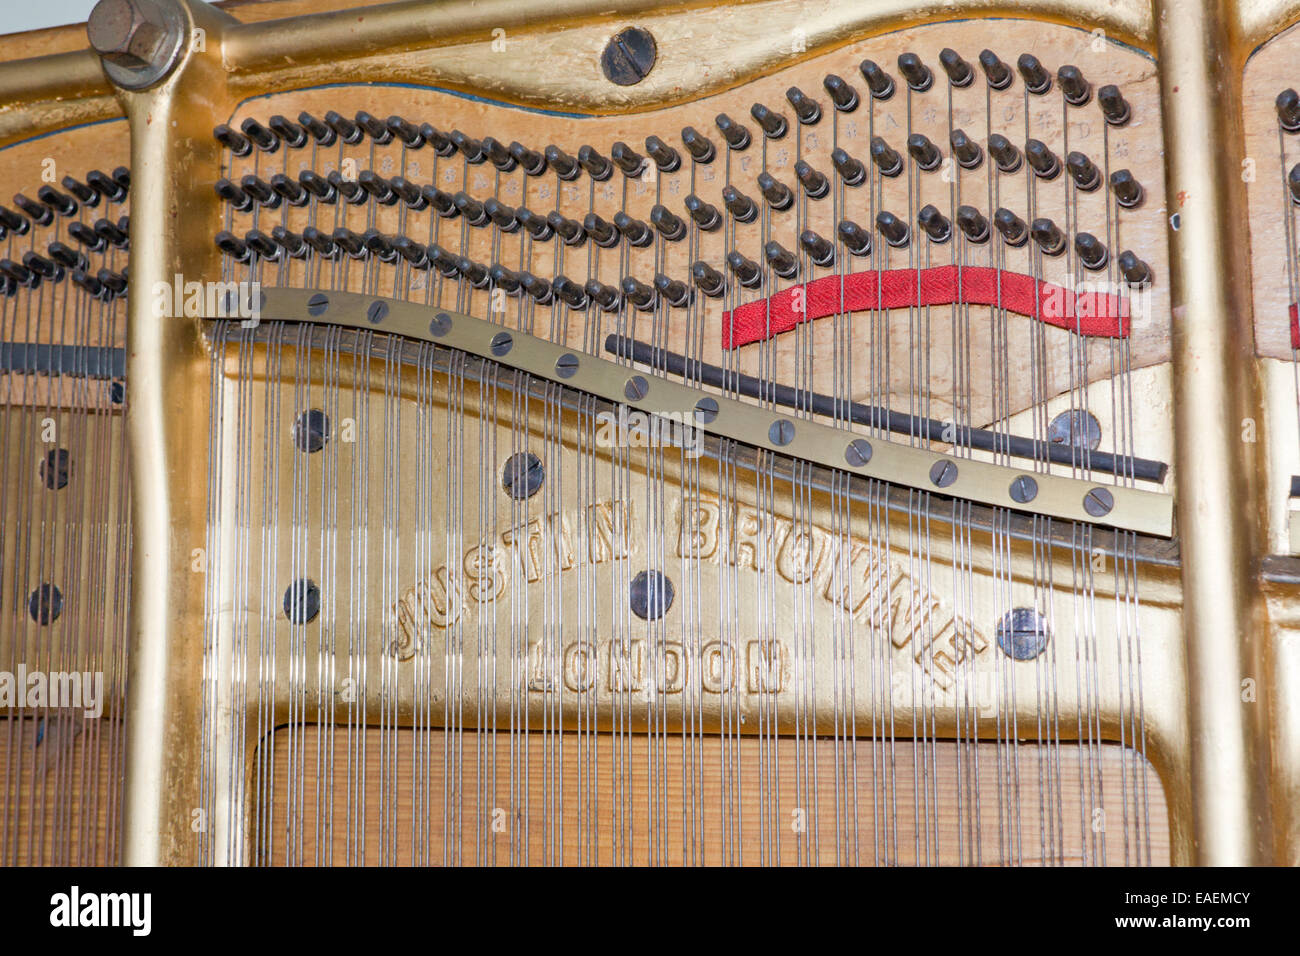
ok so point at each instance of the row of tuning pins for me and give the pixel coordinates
(1288, 117)
(60, 259)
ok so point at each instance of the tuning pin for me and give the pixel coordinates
(708, 279)
(68, 257)
(1128, 191)
(58, 202)
(236, 142)
(966, 151)
(741, 207)
(676, 293)
(1083, 171)
(470, 148)
(772, 124)
(917, 74)
(22, 276)
(958, 70)
(376, 187)
(851, 171)
(746, 271)
(783, 262)
(530, 161)
(262, 244)
(778, 195)
(565, 166)
(1037, 80)
(636, 232)
(1288, 110)
(290, 190)
(322, 244)
(292, 134)
(1293, 183)
(534, 224)
(87, 236)
(815, 184)
(841, 93)
(705, 215)
(923, 152)
(500, 214)
(498, 154)
(537, 287)
(1113, 105)
(408, 192)
(998, 73)
(475, 273)
(444, 204)
(669, 225)
(895, 230)
(322, 133)
(1012, 228)
(37, 212)
(602, 233)
(972, 224)
(106, 186)
(1091, 252)
(572, 294)
(1049, 238)
(571, 232)
(1041, 159)
(1133, 269)
(879, 82)
(116, 282)
(344, 128)
(1076, 90)
(260, 191)
(413, 252)
(934, 223)
(350, 242)
(820, 251)
(89, 283)
(856, 239)
(607, 297)
(665, 157)
(83, 193)
(806, 110)
(1004, 153)
(290, 242)
(700, 147)
(505, 279)
(627, 159)
(229, 192)
(737, 136)
(261, 137)
(12, 222)
(887, 159)
(113, 234)
(375, 128)
(408, 133)
(440, 141)
(471, 209)
(597, 166)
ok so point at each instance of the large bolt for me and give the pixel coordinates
(130, 33)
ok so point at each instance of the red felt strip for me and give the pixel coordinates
(1295, 327)
(1088, 313)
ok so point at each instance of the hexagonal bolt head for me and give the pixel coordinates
(130, 33)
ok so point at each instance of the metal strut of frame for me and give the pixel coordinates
(1071, 499)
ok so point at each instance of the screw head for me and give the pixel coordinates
(522, 475)
(858, 453)
(706, 410)
(56, 469)
(1022, 633)
(651, 595)
(376, 312)
(302, 601)
(502, 343)
(1098, 502)
(943, 473)
(45, 604)
(140, 40)
(781, 432)
(636, 388)
(318, 303)
(1075, 427)
(311, 430)
(566, 366)
(1024, 489)
(440, 325)
(629, 56)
